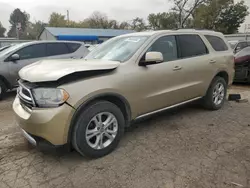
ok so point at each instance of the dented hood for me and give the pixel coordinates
(52, 70)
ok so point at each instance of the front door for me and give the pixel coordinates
(158, 84)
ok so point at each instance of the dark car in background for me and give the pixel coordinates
(242, 65)
(238, 45)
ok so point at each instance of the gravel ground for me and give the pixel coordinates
(186, 147)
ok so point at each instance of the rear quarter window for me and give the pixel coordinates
(217, 43)
(54, 49)
(73, 47)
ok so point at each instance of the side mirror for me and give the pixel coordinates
(14, 57)
(152, 58)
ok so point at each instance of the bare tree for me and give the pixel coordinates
(185, 9)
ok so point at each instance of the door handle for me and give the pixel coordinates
(212, 61)
(177, 68)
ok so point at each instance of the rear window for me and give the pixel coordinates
(73, 47)
(191, 45)
(217, 43)
(57, 49)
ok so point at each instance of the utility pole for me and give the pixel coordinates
(247, 27)
(17, 33)
(68, 16)
(18, 28)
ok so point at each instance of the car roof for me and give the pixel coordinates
(51, 41)
(179, 31)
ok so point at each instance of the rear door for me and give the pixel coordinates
(28, 55)
(193, 67)
(58, 51)
(223, 56)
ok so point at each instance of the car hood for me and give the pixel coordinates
(52, 70)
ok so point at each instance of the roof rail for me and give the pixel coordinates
(196, 29)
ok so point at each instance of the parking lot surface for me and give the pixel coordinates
(187, 147)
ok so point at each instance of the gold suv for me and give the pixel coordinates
(87, 103)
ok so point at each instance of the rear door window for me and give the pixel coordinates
(217, 43)
(57, 49)
(190, 46)
(73, 47)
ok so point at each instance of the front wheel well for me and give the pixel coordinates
(118, 100)
(224, 75)
(5, 81)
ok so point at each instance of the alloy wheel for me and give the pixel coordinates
(218, 94)
(101, 130)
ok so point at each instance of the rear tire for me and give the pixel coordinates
(3, 89)
(98, 129)
(216, 94)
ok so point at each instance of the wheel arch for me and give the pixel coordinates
(5, 81)
(224, 75)
(117, 99)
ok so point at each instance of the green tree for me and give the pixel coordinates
(163, 21)
(220, 15)
(2, 30)
(124, 25)
(57, 20)
(184, 9)
(231, 18)
(100, 20)
(138, 24)
(34, 29)
(206, 15)
(18, 17)
(97, 20)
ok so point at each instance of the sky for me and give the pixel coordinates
(122, 10)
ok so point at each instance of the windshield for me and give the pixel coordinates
(117, 49)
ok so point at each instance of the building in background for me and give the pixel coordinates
(92, 36)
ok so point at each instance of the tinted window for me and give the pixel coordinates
(242, 45)
(33, 51)
(167, 46)
(73, 47)
(191, 45)
(57, 49)
(217, 43)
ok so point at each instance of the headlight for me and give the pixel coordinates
(50, 97)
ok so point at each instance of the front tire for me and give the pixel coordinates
(216, 94)
(98, 129)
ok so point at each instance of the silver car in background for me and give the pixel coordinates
(18, 56)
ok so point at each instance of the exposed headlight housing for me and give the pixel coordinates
(49, 97)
